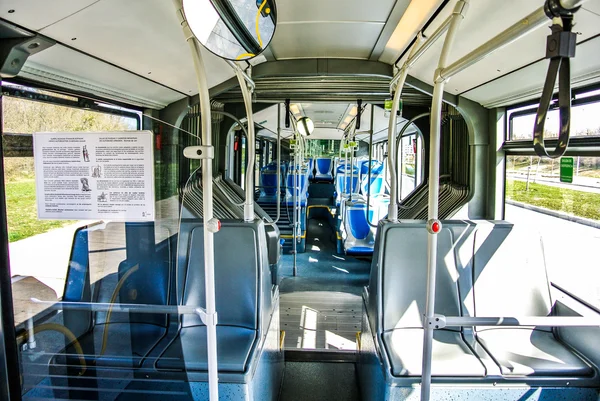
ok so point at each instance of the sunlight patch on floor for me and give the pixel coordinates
(340, 269)
(339, 342)
(308, 321)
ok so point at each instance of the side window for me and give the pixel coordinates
(410, 160)
(567, 214)
(560, 198)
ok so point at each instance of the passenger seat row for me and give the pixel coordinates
(175, 346)
(485, 269)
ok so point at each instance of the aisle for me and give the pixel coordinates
(320, 268)
(319, 381)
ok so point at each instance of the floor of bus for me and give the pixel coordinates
(321, 307)
(302, 381)
(321, 310)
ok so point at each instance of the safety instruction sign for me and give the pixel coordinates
(94, 175)
(566, 169)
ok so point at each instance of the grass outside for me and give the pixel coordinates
(22, 212)
(578, 203)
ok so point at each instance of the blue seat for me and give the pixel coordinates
(346, 182)
(359, 237)
(297, 185)
(324, 169)
(376, 187)
(268, 180)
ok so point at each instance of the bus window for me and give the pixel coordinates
(583, 115)
(567, 215)
(410, 164)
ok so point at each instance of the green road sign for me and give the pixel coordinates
(566, 169)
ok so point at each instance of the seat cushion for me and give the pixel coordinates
(528, 352)
(126, 345)
(188, 350)
(451, 355)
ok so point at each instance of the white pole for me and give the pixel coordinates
(434, 189)
(207, 175)
(393, 206)
(249, 204)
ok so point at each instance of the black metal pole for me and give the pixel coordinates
(10, 384)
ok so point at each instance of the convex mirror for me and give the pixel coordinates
(232, 29)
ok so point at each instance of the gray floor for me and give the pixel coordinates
(319, 381)
(321, 268)
(320, 320)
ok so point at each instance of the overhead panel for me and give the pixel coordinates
(473, 33)
(527, 83)
(37, 14)
(72, 70)
(592, 6)
(326, 40)
(337, 89)
(268, 119)
(333, 10)
(143, 36)
(328, 115)
(329, 28)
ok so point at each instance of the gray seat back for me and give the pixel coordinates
(241, 271)
(399, 274)
(509, 272)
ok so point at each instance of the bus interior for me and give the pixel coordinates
(389, 200)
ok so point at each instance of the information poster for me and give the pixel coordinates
(94, 175)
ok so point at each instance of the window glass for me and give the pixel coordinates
(322, 148)
(95, 261)
(585, 121)
(410, 174)
(566, 214)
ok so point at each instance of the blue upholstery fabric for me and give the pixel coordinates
(323, 168)
(357, 221)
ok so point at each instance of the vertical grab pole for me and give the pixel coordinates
(278, 163)
(434, 189)
(370, 166)
(294, 200)
(393, 207)
(249, 204)
(210, 319)
(352, 166)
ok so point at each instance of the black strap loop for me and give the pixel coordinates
(564, 105)
(559, 48)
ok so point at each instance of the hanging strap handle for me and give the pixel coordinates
(560, 47)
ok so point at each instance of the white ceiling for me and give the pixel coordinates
(144, 37)
(527, 83)
(141, 36)
(68, 68)
(352, 40)
(151, 44)
(328, 28)
(473, 33)
(37, 14)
